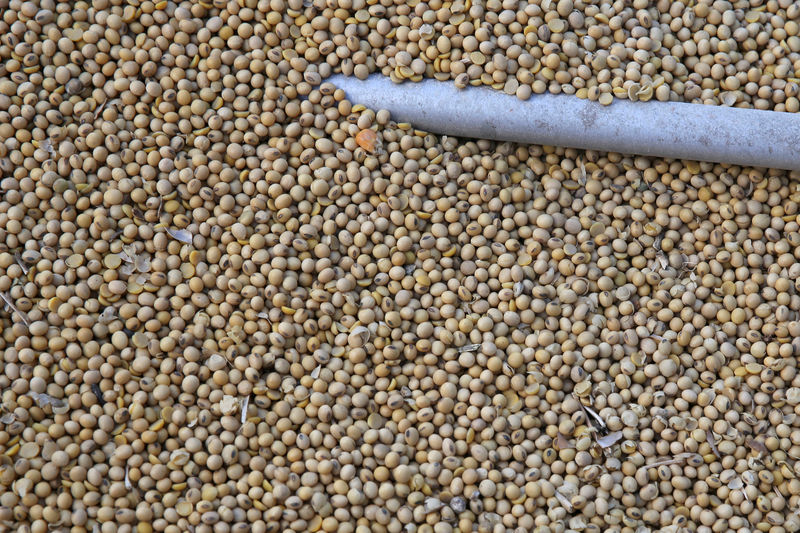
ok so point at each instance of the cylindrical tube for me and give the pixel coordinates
(665, 129)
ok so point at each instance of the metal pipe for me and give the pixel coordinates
(665, 129)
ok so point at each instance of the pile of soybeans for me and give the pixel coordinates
(233, 301)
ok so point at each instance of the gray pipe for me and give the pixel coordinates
(665, 129)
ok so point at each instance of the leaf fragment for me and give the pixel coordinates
(128, 253)
(107, 316)
(609, 440)
(181, 235)
(47, 144)
(662, 259)
(245, 403)
(10, 305)
(21, 263)
(677, 459)
(518, 288)
(469, 348)
(594, 415)
(561, 442)
(43, 400)
(757, 446)
(564, 501)
(710, 440)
